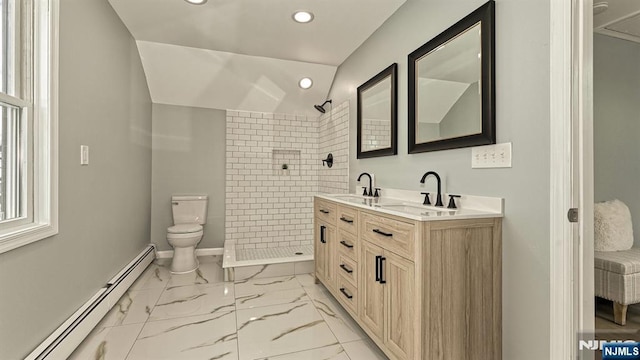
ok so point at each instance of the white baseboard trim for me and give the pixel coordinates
(64, 340)
(168, 254)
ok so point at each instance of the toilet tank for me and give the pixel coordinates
(189, 209)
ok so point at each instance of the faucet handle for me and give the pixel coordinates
(377, 193)
(452, 201)
(426, 201)
(364, 193)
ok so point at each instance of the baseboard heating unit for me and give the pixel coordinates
(64, 340)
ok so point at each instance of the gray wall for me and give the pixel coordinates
(616, 105)
(464, 116)
(522, 85)
(188, 158)
(104, 207)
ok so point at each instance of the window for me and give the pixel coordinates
(28, 121)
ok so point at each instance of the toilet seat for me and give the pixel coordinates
(184, 229)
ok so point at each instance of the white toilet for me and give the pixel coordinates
(189, 214)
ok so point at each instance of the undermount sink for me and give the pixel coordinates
(394, 205)
(408, 204)
(358, 199)
(417, 210)
(348, 196)
(365, 200)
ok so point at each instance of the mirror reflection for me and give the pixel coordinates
(452, 86)
(376, 116)
(448, 91)
(377, 111)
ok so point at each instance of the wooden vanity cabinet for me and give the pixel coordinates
(348, 219)
(371, 310)
(325, 239)
(387, 297)
(422, 289)
(347, 258)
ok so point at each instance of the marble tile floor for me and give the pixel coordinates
(199, 316)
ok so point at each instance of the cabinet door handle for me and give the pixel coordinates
(378, 231)
(378, 257)
(345, 268)
(346, 220)
(324, 211)
(382, 280)
(344, 243)
(322, 230)
(342, 290)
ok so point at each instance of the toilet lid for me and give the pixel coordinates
(184, 228)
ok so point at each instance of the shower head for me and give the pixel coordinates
(321, 107)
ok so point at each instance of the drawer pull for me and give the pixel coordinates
(345, 268)
(378, 231)
(324, 211)
(378, 257)
(346, 220)
(382, 280)
(346, 293)
(322, 230)
(344, 243)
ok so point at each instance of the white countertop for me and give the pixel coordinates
(407, 204)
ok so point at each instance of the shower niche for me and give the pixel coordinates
(285, 162)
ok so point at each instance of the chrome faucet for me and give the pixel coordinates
(370, 193)
(424, 177)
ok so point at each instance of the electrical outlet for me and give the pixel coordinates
(491, 156)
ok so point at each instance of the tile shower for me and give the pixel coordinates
(268, 207)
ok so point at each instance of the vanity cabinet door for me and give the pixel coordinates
(399, 275)
(371, 290)
(325, 253)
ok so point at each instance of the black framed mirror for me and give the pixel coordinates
(452, 86)
(377, 115)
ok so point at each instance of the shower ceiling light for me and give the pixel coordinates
(303, 17)
(305, 83)
(196, 2)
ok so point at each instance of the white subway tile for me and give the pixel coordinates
(265, 208)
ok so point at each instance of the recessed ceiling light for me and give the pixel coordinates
(305, 83)
(196, 2)
(302, 17)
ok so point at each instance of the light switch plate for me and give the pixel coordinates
(84, 155)
(491, 156)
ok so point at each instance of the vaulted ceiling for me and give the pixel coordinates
(247, 54)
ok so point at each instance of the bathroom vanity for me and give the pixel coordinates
(423, 282)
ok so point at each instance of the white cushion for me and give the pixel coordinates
(612, 226)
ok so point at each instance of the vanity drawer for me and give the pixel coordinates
(348, 219)
(326, 211)
(347, 244)
(391, 234)
(347, 294)
(348, 269)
